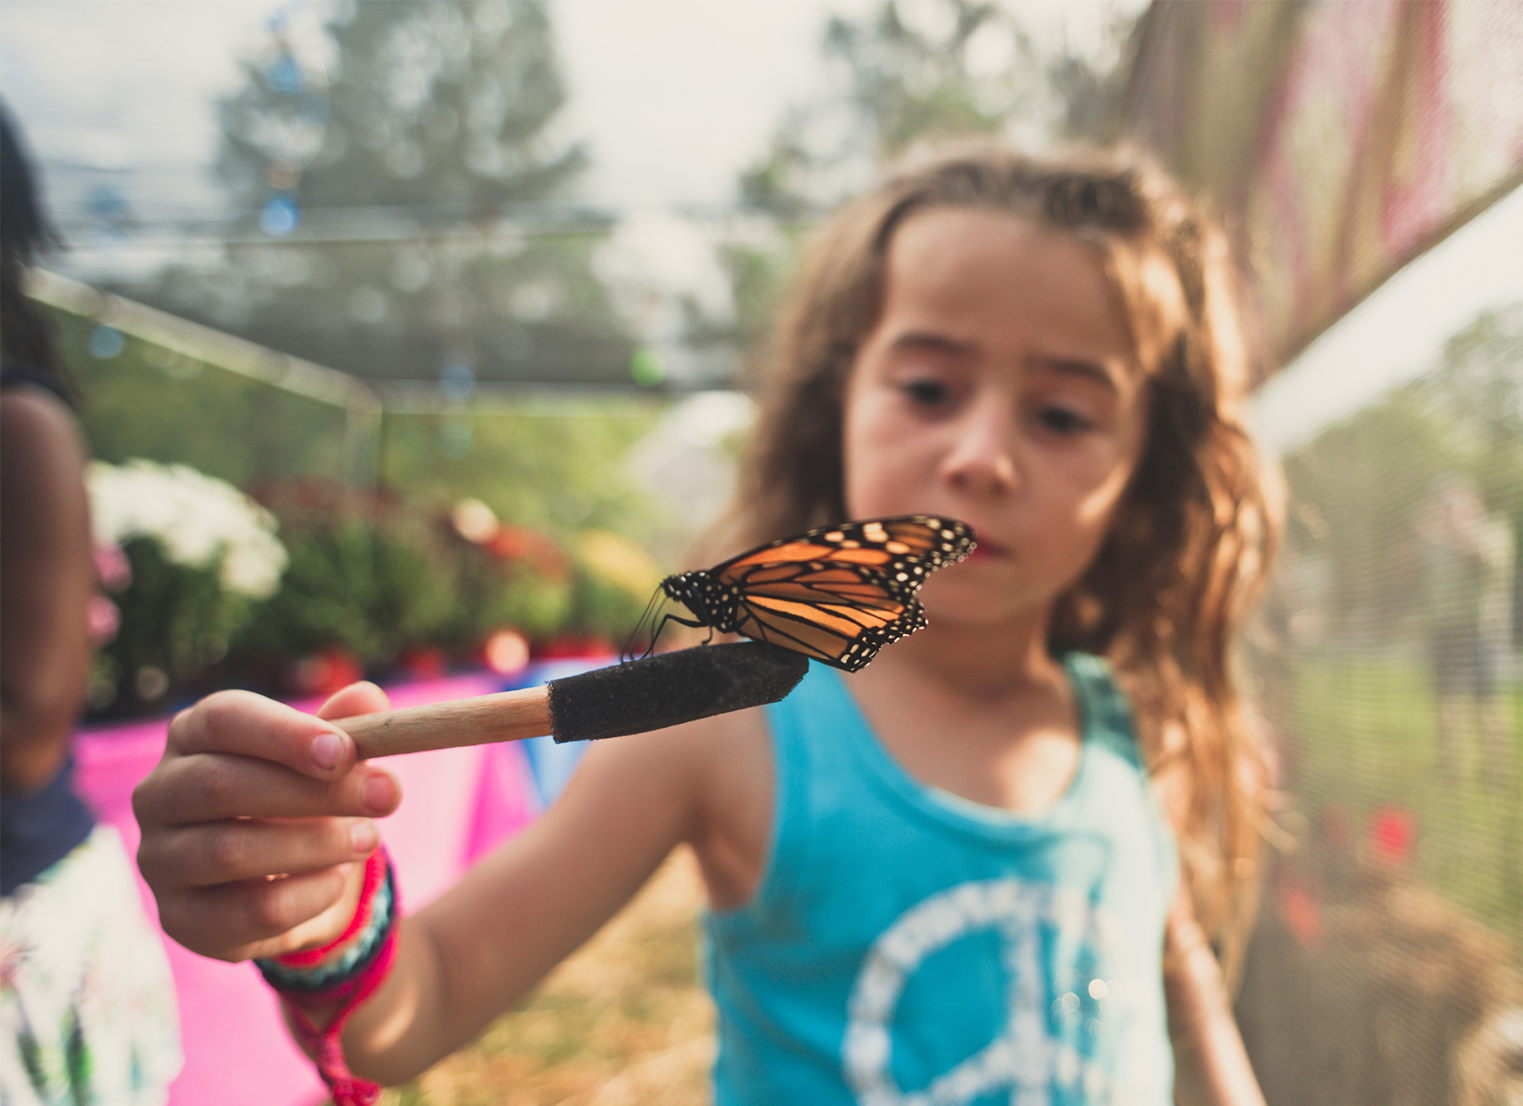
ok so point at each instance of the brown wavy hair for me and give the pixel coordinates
(1190, 544)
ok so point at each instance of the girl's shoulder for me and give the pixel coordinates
(43, 444)
(14, 373)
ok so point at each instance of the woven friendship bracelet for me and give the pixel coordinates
(342, 958)
(342, 974)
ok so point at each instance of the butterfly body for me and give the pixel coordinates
(837, 594)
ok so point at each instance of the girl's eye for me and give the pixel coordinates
(925, 392)
(1064, 420)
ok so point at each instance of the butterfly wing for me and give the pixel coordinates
(907, 547)
(841, 614)
(840, 593)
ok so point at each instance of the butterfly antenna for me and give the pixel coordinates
(647, 619)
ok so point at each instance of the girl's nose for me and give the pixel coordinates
(981, 454)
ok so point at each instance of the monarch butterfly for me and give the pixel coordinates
(837, 594)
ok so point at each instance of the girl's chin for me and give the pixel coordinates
(969, 607)
(980, 594)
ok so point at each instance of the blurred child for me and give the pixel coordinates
(951, 877)
(87, 1010)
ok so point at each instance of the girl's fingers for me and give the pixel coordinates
(259, 917)
(236, 754)
(253, 821)
(233, 850)
(253, 726)
(361, 698)
(206, 787)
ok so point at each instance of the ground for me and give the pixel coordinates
(625, 1020)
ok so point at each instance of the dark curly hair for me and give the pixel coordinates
(25, 233)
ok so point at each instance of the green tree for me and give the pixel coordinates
(1480, 387)
(394, 211)
(1480, 382)
(904, 72)
(1357, 490)
(439, 107)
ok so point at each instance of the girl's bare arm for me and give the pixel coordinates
(481, 948)
(47, 576)
(1211, 1064)
(254, 821)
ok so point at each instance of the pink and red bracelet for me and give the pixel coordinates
(341, 975)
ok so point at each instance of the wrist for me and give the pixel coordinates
(308, 971)
(329, 982)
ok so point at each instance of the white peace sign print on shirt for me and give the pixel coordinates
(1078, 1042)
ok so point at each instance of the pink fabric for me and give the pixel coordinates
(457, 803)
(1357, 135)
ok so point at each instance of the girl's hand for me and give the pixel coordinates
(253, 822)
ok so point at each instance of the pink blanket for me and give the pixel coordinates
(457, 804)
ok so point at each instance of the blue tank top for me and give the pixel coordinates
(906, 946)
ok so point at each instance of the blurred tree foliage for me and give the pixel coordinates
(906, 71)
(146, 401)
(393, 208)
(374, 575)
(1359, 489)
(912, 70)
(553, 466)
(176, 621)
(438, 106)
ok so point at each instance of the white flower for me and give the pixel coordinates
(195, 518)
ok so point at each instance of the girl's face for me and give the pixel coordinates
(999, 387)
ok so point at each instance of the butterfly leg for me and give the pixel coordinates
(628, 652)
(692, 622)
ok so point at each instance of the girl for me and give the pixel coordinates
(87, 1008)
(944, 878)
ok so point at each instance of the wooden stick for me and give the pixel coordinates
(505, 716)
(643, 695)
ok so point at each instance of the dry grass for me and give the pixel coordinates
(623, 1021)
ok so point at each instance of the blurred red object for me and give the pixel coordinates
(575, 645)
(324, 672)
(423, 662)
(1392, 832)
(1299, 910)
(520, 544)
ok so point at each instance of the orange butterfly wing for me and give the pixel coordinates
(840, 593)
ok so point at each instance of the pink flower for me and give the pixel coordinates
(105, 620)
(112, 567)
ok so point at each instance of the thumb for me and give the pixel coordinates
(382, 789)
(358, 698)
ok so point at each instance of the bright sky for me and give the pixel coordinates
(1400, 329)
(674, 97)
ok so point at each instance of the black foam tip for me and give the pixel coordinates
(669, 688)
